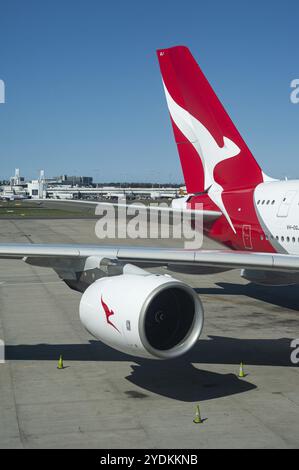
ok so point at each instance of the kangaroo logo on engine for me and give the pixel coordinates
(108, 313)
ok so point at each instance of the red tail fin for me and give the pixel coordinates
(212, 152)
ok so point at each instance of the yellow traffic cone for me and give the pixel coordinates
(60, 363)
(241, 371)
(197, 418)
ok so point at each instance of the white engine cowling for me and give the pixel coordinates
(153, 316)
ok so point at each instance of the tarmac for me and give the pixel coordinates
(105, 399)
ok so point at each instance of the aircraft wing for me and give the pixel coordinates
(207, 215)
(223, 259)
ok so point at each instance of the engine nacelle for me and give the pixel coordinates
(150, 315)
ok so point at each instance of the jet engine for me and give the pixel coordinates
(146, 315)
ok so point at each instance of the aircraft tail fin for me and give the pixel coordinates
(211, 150)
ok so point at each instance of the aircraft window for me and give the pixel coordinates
(283, 199)
(258, 201)
(263, 202)
(277, 237)
(293, 239)
(262, 238)
(272, 237)
(273, 202)
(288, 239)
(268, 202)
(282, 239)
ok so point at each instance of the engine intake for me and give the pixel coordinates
(168, 321)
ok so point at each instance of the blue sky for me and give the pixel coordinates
(84, 94)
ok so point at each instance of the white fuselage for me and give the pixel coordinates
(277, 207)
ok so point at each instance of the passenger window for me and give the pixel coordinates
(272, 202)
(263, 202)
(268, 202)
(293, 239)
(288, 239)
(282, 239)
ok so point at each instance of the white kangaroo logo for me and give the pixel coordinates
(207, 148)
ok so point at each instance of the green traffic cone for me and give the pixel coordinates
(241, 371)
(60, 363)
(197, 418)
